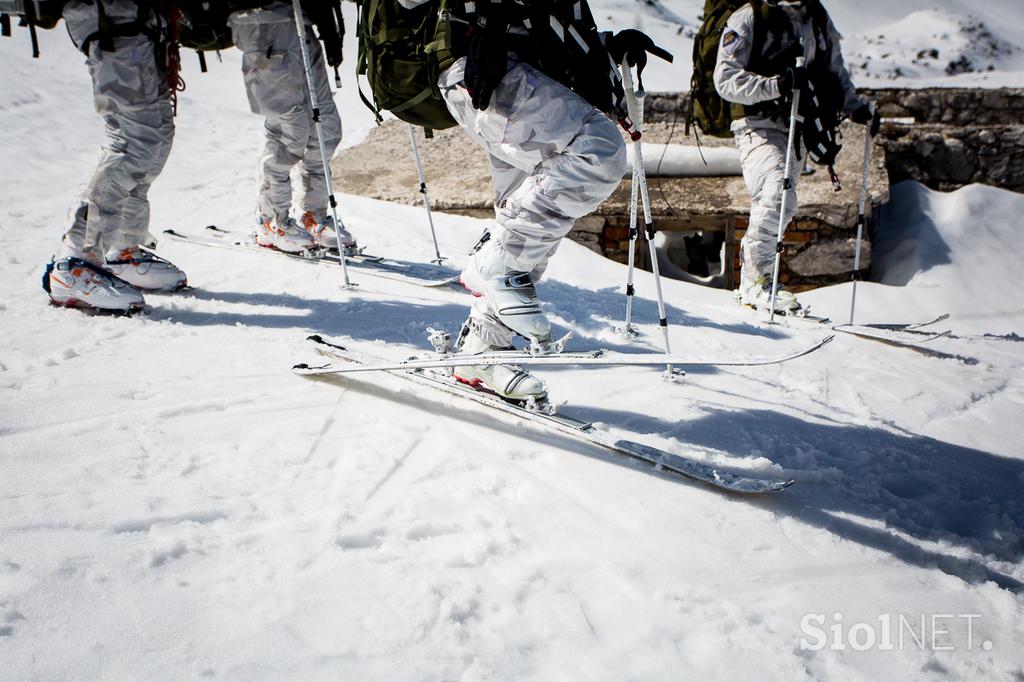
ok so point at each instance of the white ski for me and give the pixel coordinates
(592, 359)
(580, 430)
(412, 273)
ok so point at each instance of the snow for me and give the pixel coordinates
(175, 503)
(882, 40)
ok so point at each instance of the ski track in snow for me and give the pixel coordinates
(175, 503)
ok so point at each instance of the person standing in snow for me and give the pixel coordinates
(756, 69)
(275, 81)
(100, 263)
(554, 157)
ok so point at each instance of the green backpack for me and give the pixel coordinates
(707, 108)
(203, 25)
(402, 53)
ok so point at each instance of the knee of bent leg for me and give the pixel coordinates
(602, 154)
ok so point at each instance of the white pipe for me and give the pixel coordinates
(685, 161)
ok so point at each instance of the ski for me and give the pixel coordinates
(578, 429)
(911, 327)
(598, 358)
(911, 341)
(906, 337)
(418, 274)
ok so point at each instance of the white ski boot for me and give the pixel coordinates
(758, 294)
(511, 293)
(508, 381)
(74, 282)
(284, 235)
(144, 269)
(327, 235)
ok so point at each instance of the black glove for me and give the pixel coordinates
(868, 115)
(634, 45)
(792, 79)
(486, 65)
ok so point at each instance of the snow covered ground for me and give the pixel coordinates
(174, 503)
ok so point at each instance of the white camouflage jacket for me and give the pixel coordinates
(736, 84)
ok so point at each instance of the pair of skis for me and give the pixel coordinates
(436, 373)
(419, 274)
(912, 335)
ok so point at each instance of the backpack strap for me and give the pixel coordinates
(107, 31)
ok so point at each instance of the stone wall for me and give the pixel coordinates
(952, 106)
(944, 138)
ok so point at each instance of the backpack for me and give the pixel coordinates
(203, 25)
(402, 53)
(821, 105)
(42, 13)
(707, 108)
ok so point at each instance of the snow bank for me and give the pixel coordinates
(936, 252)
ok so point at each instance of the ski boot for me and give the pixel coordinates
(758, 294)
(327, 235)
(510, 382)
(73, 282)
(284, 235)
(144, 269)
(510, 293)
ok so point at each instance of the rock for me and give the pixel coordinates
(830, 257)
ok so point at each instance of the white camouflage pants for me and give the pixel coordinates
(763, 156)
(275, 81)
(554, 158)
(130, 93)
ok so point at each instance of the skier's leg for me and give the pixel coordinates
(134, 226)
(763, 158)
(130, 94)
(505, 178)
(125, 256)
(316, 216)
(275, 82)
(572, 157)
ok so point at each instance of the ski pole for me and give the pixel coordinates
(426, 198)
(641, 175)
(300, 26)
(629, 330)
(787, 184)
(861, 213)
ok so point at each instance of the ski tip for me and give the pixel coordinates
(299, 367)
(315, 338)
(828, 339)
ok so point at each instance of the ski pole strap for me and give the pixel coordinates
(629, 126)
(836, 185)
